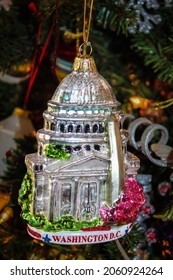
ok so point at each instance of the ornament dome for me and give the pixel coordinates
(84, 86)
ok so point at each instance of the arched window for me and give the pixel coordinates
(77, 148)
(40, 150)
(62, 127)
(70, 128)
(46, 125)
(52, 126)
(95, 128)
(87, 147)
(87, 128)
(68, 149)
(79, 129)
(101, 128)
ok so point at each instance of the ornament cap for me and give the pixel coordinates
(84, 63)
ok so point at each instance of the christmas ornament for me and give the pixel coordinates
(81, 187)
(5, 4)
(144, 19)
(4, 199)
(6, 214)
(165, 152)
(79, 171)
(139, 102)
(17, 74)
(151, 236)
(133, 128)
(164, 188)
(146, 211)
(17, 125)
(147, 136)
(145, 12)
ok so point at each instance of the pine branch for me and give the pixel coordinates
(156, 54)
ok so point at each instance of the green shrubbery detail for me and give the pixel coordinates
(39, 221)
(52, 151)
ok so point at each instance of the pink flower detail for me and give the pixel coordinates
(128, 207)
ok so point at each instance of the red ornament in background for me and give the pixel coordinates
(33, 7)
(164, 188)
(147, 209)
(151, 235)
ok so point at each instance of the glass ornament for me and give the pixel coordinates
(81, 164)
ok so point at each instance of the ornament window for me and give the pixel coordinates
(95, 128)
(87, 147)
(101, 128)
(62, 127)
(46, 125)
(52, 126)
(79, 128)
(40, 150)
(70, 128)
(38, 167)
(77, 148)
(87, 128)
(69, 149)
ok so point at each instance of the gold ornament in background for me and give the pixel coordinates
(4, 200)
(21, 69)
(139, 102)
(7, 212)
(18, 73)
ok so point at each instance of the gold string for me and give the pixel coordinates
(84, 23)
(86, 31)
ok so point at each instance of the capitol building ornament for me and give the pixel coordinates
(80, 187)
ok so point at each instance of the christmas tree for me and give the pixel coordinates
(132, 44)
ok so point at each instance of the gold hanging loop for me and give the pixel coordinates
(84, 47)
(86, 30)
